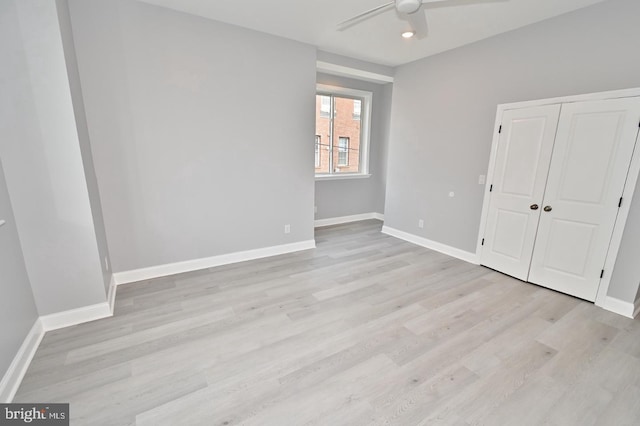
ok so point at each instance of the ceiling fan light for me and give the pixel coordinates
(408, 34)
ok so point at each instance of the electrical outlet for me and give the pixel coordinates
(421, 223)
(482, 179)
(287, 229)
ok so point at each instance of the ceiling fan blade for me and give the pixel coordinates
(345, 24)
(418, 23)
(436, 4)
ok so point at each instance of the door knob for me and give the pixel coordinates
(533, 207)
(547, 208)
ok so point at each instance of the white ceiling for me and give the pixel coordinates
(452, 23)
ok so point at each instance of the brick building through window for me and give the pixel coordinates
(338, 137)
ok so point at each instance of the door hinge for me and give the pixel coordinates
(491, 188)
(500, 129)
(482, 242)
(620, 203)
(602, 273)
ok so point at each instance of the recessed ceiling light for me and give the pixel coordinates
(408, 34)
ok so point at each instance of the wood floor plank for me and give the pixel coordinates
(334, 393)
(365, 329)
(624, 409)
(421, 399)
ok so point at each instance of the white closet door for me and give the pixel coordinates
(520, 173)
(590, 162)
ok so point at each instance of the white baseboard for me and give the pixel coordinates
(75, 316)
(16, 371)
(432, 245)
(347, 219)
(208, 262)
(620, 307)
(111, 296)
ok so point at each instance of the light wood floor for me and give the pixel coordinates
(365, 329)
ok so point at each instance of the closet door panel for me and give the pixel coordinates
(522, 163)
(591, 158)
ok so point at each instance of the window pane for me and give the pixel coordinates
(338, 134)
(323, 132)
(346, 128)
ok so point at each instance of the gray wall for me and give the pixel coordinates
(198, 132)
(18, 310)
(42, 160)
(336, 198)
(444, 109)
(83, 137)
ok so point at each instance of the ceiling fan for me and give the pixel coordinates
(407, 9)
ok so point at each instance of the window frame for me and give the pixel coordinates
(366, 98)
(318, 145)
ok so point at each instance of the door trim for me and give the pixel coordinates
(629, 188)
(618, 228)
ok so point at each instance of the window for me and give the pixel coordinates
(343, 151)
(342, 130)
(357, 108)
(325, 106)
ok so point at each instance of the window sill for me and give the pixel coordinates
(340, 177)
